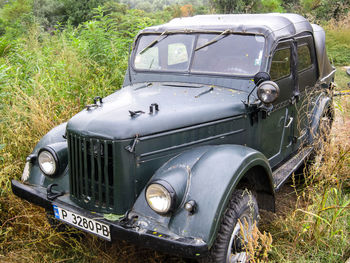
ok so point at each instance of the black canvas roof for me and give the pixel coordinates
(275, 25)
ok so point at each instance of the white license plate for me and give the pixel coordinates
(82, 222)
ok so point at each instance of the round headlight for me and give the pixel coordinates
(47, 162)
(160, 197)
(268, 92)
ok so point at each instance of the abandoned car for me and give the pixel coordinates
(215, 113)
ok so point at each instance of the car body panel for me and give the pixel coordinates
(208, 175)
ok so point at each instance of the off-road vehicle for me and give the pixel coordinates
(216, 112)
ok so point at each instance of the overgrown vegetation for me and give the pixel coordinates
(317, 228)
(54, 59)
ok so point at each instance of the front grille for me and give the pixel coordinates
(91, 172)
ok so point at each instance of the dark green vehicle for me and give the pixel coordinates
(216, 112)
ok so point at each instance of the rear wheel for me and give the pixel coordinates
(229, 246)
(325, 126)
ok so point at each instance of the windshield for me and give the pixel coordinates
(233, 54)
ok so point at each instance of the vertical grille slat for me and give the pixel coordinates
(86, 174)
(81, 181)
(115, 172)
(76, 165)
(71, 164)
(99, 172)
(106, 174)
(92, 172)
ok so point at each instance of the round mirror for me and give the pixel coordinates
(268, 92)
(261, 77)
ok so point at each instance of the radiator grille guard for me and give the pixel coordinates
(93, 170)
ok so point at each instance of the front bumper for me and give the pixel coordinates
(186, 247)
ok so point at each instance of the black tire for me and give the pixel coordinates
(325, 126)
(228, 245)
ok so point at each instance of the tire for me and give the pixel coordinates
(325, 126)
(228, 247)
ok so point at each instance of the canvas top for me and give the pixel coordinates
(274, 25)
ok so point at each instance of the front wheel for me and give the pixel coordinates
(229, 245)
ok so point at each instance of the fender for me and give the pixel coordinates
(322, 105)
(36, 177)
(208, 175)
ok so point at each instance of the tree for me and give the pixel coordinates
(230, 6)
(186, 10)
(247, 6)
(78, 11)
(146, 6)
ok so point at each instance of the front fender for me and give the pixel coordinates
(208, 175)
(35, 176)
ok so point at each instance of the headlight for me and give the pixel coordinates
(268, 92)
(160, 196)
(48, 162)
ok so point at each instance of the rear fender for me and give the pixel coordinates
(207, 175)
(324, 105)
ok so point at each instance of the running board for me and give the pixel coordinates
(281, 174)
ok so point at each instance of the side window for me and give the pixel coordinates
(304, 57)
(280, 65)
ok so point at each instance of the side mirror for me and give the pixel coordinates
(268, 92)
(261, 77)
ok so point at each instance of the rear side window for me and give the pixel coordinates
(304, 57)
(280, 65)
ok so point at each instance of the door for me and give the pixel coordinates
(276, 131)
(307, 77)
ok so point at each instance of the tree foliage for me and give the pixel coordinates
(248, 6)
(52, 12)
(159, 5)
(325, 9)
(319, 10)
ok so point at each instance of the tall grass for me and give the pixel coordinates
(316, 228)
(338, 40)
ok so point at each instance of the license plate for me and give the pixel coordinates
(82, 222)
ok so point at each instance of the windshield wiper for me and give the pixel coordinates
(157, 40)
(214, 40)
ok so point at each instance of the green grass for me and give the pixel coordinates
(338, 41)
(338, 46)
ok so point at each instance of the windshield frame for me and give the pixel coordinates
(197, 33)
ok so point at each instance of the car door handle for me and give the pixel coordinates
(289, 123)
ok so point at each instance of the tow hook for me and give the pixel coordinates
(52, 195)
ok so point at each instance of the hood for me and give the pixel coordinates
(179, 106)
